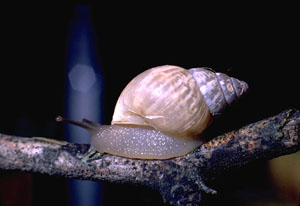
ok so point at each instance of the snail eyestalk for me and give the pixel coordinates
(85, 124)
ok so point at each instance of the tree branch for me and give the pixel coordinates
(179, 180)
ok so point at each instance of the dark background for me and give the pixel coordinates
(255, 43)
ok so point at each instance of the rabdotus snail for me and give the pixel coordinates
(162, 111)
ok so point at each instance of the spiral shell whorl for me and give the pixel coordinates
(219, 90)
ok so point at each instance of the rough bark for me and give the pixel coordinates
(179, 180)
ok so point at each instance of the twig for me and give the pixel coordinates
(179, 180)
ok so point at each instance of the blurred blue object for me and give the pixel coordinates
(83, 97)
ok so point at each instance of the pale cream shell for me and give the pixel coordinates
(166, 98)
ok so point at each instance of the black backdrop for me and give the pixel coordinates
(255, 43)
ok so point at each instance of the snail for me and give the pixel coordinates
(162, 112)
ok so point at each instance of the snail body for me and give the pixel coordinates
(161, 113)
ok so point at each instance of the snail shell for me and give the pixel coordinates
(161, 113)
(166, 98)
